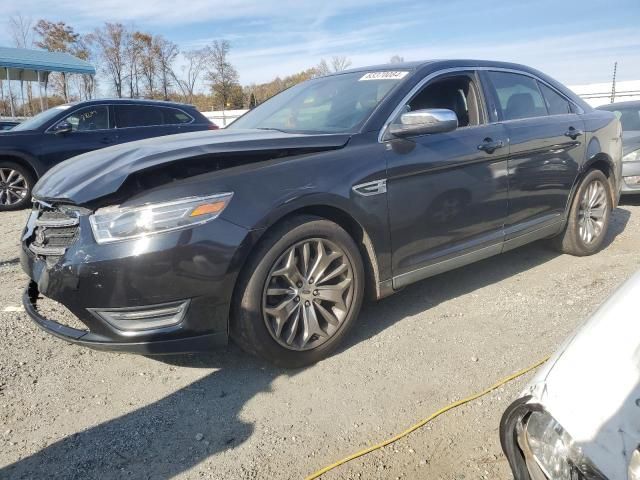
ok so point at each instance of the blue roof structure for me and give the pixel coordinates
(42, 61)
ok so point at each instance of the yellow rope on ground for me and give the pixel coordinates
(422, 423)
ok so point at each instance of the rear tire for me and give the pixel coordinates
(589, 217)
(16, 183)
(282, 313)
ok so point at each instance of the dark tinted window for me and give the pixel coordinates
(556, 103)
(173, 116)
(138, 116)
(518, 96)
(89, 118)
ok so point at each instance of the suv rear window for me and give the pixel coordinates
(518, 96)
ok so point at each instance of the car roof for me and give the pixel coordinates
(131, 101)
(613, 106)
(439, 63)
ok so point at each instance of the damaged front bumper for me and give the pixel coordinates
(168, 293)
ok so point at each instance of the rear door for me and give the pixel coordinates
(447, 192)
(546, 149)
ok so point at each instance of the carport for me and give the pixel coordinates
(27, 65)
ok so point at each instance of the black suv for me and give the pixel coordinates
(32, 147)
(273, 229)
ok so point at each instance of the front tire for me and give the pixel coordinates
(299, 294)
(16, 183)
(589, 217)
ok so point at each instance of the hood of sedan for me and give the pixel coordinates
(591, 386)
(102, 172)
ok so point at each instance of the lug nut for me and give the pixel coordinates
(307, 303)
(315, 292)
(299, 284)
(311, 280)
(297, 299)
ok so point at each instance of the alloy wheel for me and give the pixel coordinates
(308, 294)
(593, 211)
(13, 187)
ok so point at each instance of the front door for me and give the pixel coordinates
(90, 131)
(447, 192)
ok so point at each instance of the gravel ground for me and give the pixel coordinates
(69, 412)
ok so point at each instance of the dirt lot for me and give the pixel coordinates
(69, 412)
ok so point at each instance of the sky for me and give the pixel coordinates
(577, 42)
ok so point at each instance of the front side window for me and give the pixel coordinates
(457, 93)
(556, 103)
(128, 116)
(41, 119)
(89, 118)
(337, 103)
(518, 96)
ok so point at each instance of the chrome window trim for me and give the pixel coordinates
(445, 71)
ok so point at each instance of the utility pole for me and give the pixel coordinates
(613, 84)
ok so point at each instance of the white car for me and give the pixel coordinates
(579, 418)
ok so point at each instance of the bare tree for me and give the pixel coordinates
(56, 37)
(196, 62)
(322, 69)
(396, 59)
(340, 63)
(111, 41)
(222, 74)
(166, 53)
(21, 29)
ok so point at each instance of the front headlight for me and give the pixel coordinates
(112, 224)
(549, 451)
(632, 156)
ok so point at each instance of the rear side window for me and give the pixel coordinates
(128, 116)
(174, 116)
(518, 96)
(89, 118)
(556, 103)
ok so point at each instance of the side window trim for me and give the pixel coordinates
(482, 70)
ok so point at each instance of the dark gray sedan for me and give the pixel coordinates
(629, 115)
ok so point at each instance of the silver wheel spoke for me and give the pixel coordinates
(308, 294)
(282, 312)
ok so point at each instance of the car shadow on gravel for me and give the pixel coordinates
(167, 437)
(181, 430)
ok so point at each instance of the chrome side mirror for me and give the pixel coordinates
(420, 122)
(62, 128)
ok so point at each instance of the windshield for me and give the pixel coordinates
(338, 103)
(39, 120)
(629, 118)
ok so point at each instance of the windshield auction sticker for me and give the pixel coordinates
(383, 76)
